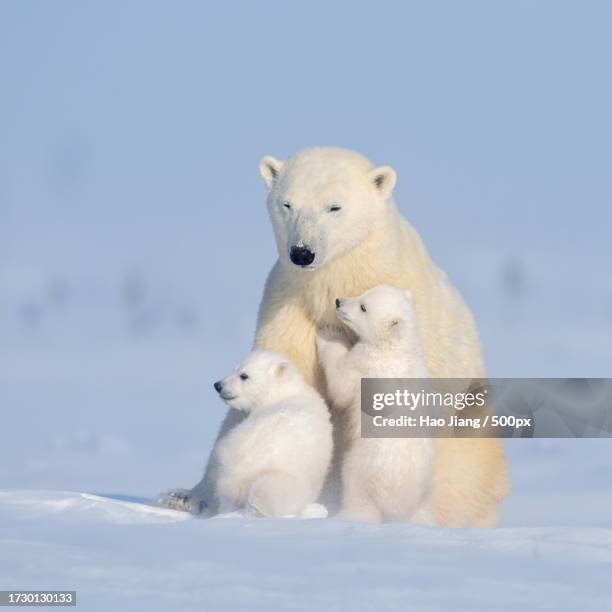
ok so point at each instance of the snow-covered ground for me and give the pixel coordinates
(134, 244)
(120, 555)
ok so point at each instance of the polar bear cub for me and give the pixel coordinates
(382, 479)
(275, 461)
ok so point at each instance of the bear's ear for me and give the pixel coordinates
(383, 178)
(280, 368)
(270, 168)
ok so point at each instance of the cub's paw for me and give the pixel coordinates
(182, 499)
(330, 334)
(314, 511)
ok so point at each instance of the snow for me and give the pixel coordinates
(134, 244)
(120, 554)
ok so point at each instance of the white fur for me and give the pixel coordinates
(364, 244)
(382, 479)
(303, 199)
(275, 461)
(369, 243)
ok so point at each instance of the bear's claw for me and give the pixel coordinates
(182, 499)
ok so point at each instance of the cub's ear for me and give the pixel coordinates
(383, 178)
(408, 295)
(270, 168)
(280, 369)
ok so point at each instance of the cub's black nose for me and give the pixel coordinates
(301, 256)
(337, 302)
(218, 386)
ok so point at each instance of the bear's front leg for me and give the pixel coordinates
(276, 494)
(334, 352)
(332, 347)
(357, 505)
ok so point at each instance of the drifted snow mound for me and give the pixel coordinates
(112, 509)
(87, 506)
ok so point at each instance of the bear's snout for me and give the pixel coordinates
(338, 303)
(218, 386)
(301, 255)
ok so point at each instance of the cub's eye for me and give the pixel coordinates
(335, 208)
(244, 376)
(363, 308)
(286, 204)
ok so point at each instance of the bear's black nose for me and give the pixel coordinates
(301, 256)
(218, 386)
(337, 302)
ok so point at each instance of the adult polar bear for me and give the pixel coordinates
(339, 233)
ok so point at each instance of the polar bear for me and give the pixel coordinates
(275, 461)
(382, 478)
(338, 232)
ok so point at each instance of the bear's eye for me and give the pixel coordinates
(286, 204)
(244, 376)
(363, 308)
(335, 208)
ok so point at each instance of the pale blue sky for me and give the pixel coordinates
(130, 133)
